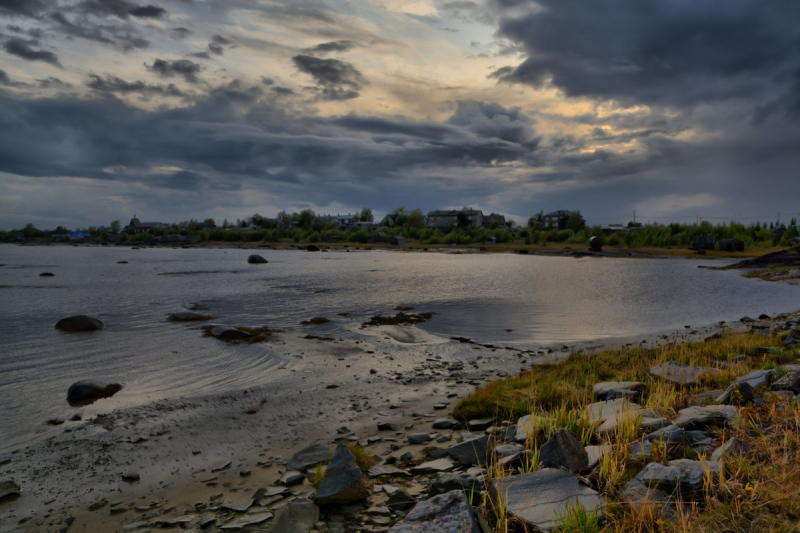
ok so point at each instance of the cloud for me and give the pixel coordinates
(113, 84)
(24, 48)
(148, 11)
(180, 33)
(22, 8)
(338, 80)
(184, 68)
(123, 37)
(332, 46)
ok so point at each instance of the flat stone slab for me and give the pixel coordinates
(611, 412)
(667, 435)
(697, 417)
(757, 378)
(309, 456)
(387, 470)
(682, 475)
(247, 520)
(433, 467)
(540, 497)
(238, 506)
(480, 424)
(678, 373)
(446, 513)
(616, 389)
(472, 452)
(298, 516)
(446, 423)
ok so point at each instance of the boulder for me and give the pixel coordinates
(667, 435)
(480, 424)
(507, 450)
(684, 476)
(312, 248)
(400, 500)
(292, 477)
(446, 423)
(696, 417)
(564, 451)
(343, 482)
(472, 452)
(595, 453)
(446, 513)
(731, 447)
(608, 390)
(611, 412)
(596, 243)
(636, 494)
(539, 498)
(47, 274)
(8, 487)
(789, 382)
(79, 324)
(256, 259)
(419, 438)
(298, 516)
(229, 334)
(678, 373)
(736, 394)
(317, 320)
(456, 481)
(311, 455)
(433, 467)
(87, 392)
(757, 378)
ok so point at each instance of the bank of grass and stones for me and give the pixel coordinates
(699, 436)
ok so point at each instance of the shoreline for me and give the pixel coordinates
(63, 476)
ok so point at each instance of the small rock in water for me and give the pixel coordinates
(256, 259)
(47, 274)
(87, 392)
(79, 324)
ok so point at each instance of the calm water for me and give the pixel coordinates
(542, 299)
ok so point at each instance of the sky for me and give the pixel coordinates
(180, 109)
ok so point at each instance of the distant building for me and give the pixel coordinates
(490, 241)
(79, 236)
(703, 242)
(495, 217)
(556, 219)
(135, 227)
(449, 218)
(731, 245)
(398, 240)
(387, 221)
(613, 228)
(379, 237)
(331, 238)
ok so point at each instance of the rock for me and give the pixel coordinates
(678, 373)
(736, 394)
(609, 390)
(256, 259)
(446, 423)
(317, 320)
(564, 451)
(46, 274)
(595, 453)
(446, 513)
(667, 435)
(247, 520)
(685, 476)
(87, 392)
(456, 481)
(732, 447)
(8, 487)
(343, 482)
(757, 378)
(480, 424)
(419, 438)
(98, 505)
(637, 495)
(130, 477)
(298, 516)
(238, 506)
(229, 334)
(79, 324)
(187, 316)
(539, 498)
(596, 243)
(507, 450)
(472, 452)
(292, 477)
(433, 467)
(400, 500)
(386, 426)
(702, 417)
(312, 248)
(789, 382)
(311, 455)
(387, 470)
(640, 451)
(611, 412)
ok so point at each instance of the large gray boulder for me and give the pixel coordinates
(789, 382)
(446, 513)
(539, 498)
(472, 452)
(678, 373)
(87, 392)
(456, 481)
(256, 259)
(684, 476)
(697, 417)
(343, 482)
(610, 413)
(79, 324)
(311, 455)
(736, 394)
(757, 378)
(298, 516)
(608, 390)
(564, 451)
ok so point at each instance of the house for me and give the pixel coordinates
(398, 240)
(703, 242)
(449, 218)
(556, 219)
(779, 231)
(79, 236)
(331, 238)
(170, 239)
(135, 227)
(59, 237)
(495, 217)
(731, 245)
(490, 241)
(378, 237)
(369, 226)
(387, 221)
(614, 228)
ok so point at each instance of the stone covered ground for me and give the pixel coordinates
(412, 464)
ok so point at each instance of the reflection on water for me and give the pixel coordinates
(541, 299)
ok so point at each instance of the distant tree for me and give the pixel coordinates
(307, 217)
(366, 215)
(400, 216)
(282, 216)
(29, 231)
(495, 224)
(225, 223)
(209, 221)
(415, 219)
(537, 218)
(62, 229)
(115, 227)
(575, 221)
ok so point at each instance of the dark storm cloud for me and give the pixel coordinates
(24, 48)
(333, 46)
(180, 33)
(113, 84)
(337, 80)
(148, 11)
(672, 53)
(22, 8)
(120, 9)
(119, 36)
(184, 68)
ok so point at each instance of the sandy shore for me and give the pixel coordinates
(190, 450)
